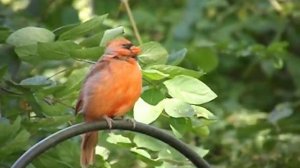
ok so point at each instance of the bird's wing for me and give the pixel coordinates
(94, 69)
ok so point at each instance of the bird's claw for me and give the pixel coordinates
(132, 121)
(109, 121)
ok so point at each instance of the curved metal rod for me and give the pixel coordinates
(81, 128)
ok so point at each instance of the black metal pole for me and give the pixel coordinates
(81, 128)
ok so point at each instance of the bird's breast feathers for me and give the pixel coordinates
(113, 90)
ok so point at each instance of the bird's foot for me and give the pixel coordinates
(109, 121)
(132, 121)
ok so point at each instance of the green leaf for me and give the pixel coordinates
(73, 83)
(176, 58)
(93, 53)
(143, 141)
(141, 152)
(293, 63)
(29, 36)
(4, 33)
(56, 50)
(93, 25)
(171, 154)
(103, 152)
(204, 57)
(145, 156)
(27, 52)
(203, 112)
(3, 70)
(200, 122)
(201, 151)
(9, 130)
(280, 112)
(175, 70)
(110, 34)
(189, 89)
(19, 142)
(202, 131)
(177, 108)
(180, 126)
(146, 113)
(92, 41)
(13, 138)
(48, 123)
(117, 139)
(153, 53)
(277, 47)
(36, 81)
(153, 74)
(152, 96)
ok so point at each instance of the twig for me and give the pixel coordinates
(57, 73)
(10, 92)
(51, 101)
(132, 21)
(86, 61)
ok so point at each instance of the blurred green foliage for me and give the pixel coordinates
(247, 52)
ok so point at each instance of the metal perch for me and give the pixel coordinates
(81, 128)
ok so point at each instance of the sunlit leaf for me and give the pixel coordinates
(153, 74)
(203, 112)
(189, 89)
(117, 139)
(177, 108)
(173, 71)
(201, 151)
(103, 152)
(146, 113)
(145, 156)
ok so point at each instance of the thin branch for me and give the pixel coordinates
(51, 101)
(59, 72)
(132, 21)
(85, 61)
(10, 92)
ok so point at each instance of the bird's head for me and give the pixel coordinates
(122, 47)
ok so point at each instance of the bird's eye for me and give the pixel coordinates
(127, 46)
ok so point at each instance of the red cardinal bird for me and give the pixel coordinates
(110, 89)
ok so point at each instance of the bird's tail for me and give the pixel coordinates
(88, 145)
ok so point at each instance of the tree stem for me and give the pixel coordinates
(132, 21)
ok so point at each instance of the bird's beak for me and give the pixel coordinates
(135, 50)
